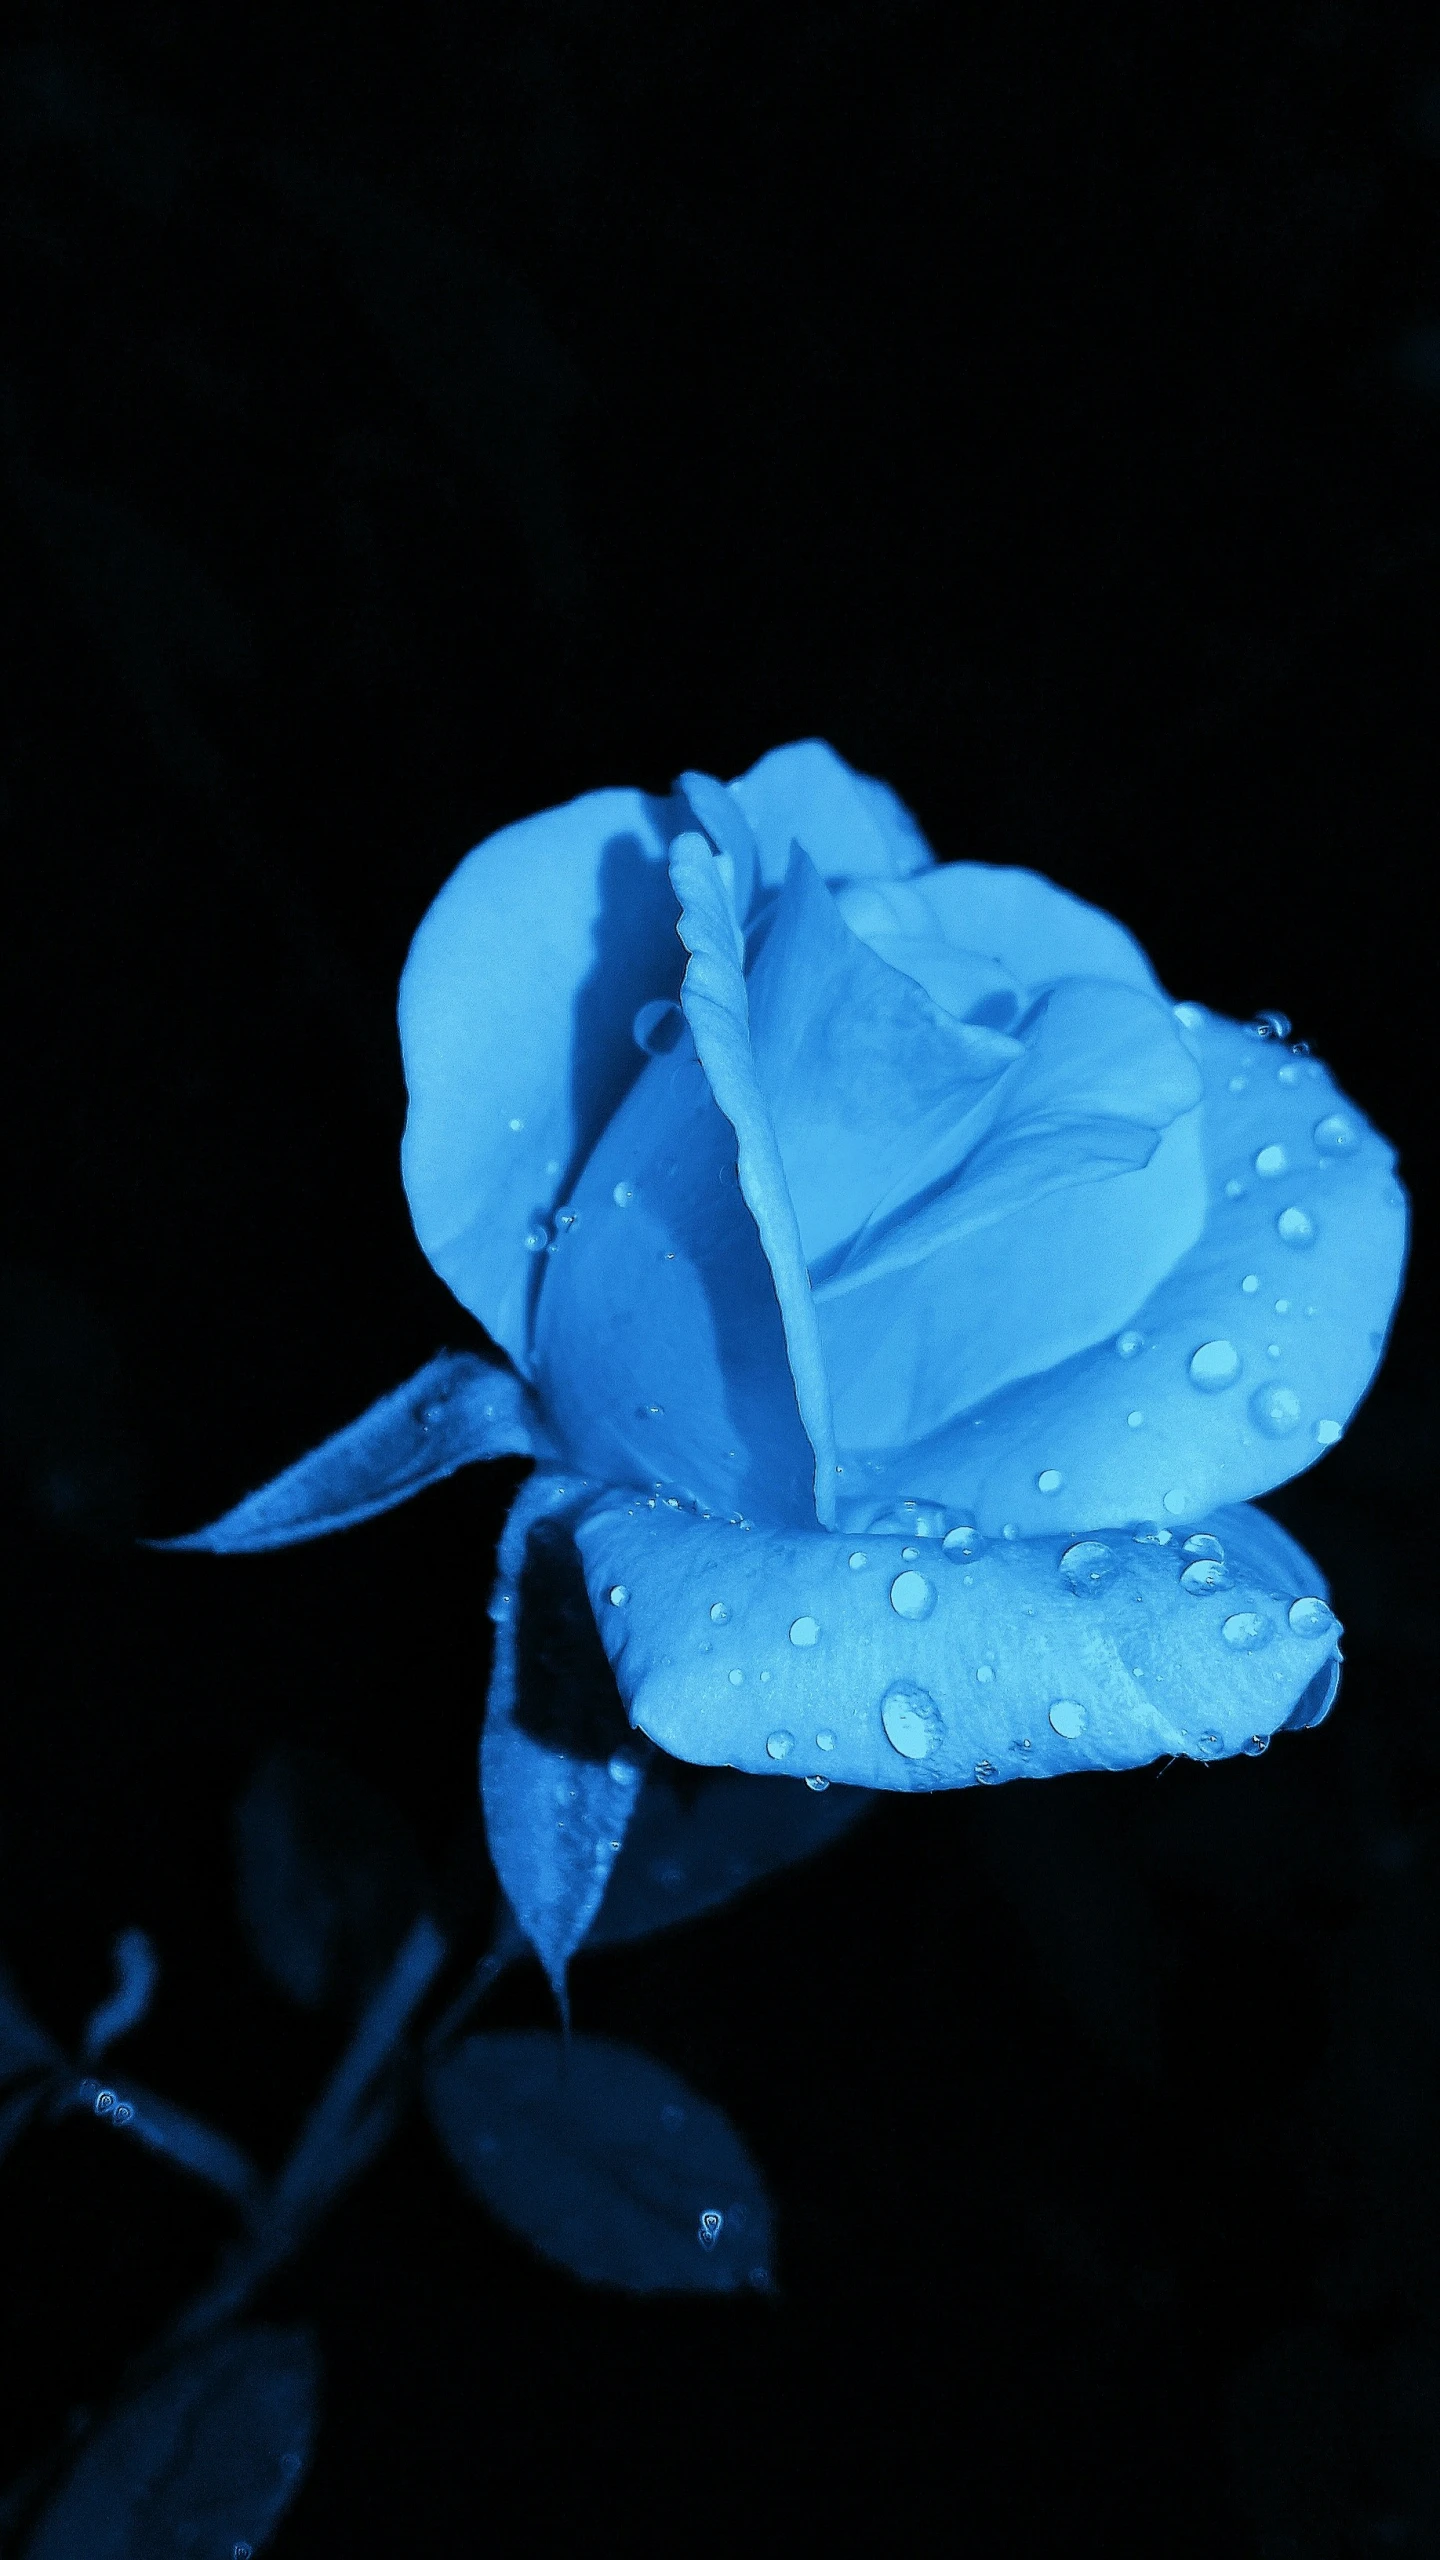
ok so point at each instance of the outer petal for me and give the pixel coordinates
(917, 1667)
(515, 1013)
(852, 827)
(1188, 1406)
(1031, 932)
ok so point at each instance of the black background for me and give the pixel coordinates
(412, 417)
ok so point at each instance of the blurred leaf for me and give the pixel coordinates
(25, 2048)
(697, 1839)
(136, 1972)
(198, 2467)
(457, 1409)
(329, 1877)
(604, 2161)
(168, 2130)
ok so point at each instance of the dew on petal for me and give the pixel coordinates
(1328, 1431)
(1208, 1574)
(1310, 1617)
(858, 1560)
(1238, 1083)
(1272, 1160)
(1088, 1561)
(1282, 1306)
(1150, 1536)
(1295, 1227)
(657, 1026)
(618, 1595)
(1204, 1543)
(1250, 1283)
(517, 1124)
(817, 1786)
(1189, 1016)
(1275, 1410)
(1135, 1420)
(1049, 1480)
(536, 1239)
(623, 1771)
(735, 1678)
(911, 1596)
(1256, 1747)
(1335, 1135)
(1244, 1630)
(623, 1194)
(1234, 1190)
(1127, 1344)
(780, 1745)
(825, 1741)
(985, 1673)
(1176, 1500)
(1268, 1026)
(912, 1721)
(805, 1631)
(1067, 1716)
(1210, 1745)
(718, 1613)
(909, 1554)
(1214, 1366)
(962, 1542)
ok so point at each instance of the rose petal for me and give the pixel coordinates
(852, 826)
(516, 1008)
(1001, 1664)
(1207, 1432)
(1028, 928)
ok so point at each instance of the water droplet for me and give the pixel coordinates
(1272, 1160)
(711, 2226)
(1204, 1544)
(1294, 1227)
(1310, 1617)
(652, 1412)
(909, 1554)
(1287, 1075)
(1135, 1420)
(1257, 1746)
(911, 1596)
(1088, 1561)
(779, 1745)
(120, 2113)
(718, 1613)
(1189, 1016)
(825, 1741)
(536, 1239)
(962, 1542)
(1010, 1531)
(1272, 1350)
(618, 1595)
(985, 1673)
(1282, 1306)
(1214, 1366)
(1049, 1480)
(805, 1631)
(1275, 1410)
(736, 1678)
(1245, 1629)
(623, 1771)
(623, 1194)
(1250, 1283)
(657, 1026)
(1336, 1136)
(1127, 1344)
(105, 2100)
(1067, 1717)
(1210, 1745)
(911, 1720)
(1209, 1574)
(817, 1786)
(1175, 1501)
(986, 1773)
(858, 1560)
(1238, 1083)
(1234, 1190)
(567, 1217)
(241, 2551)
(517, 1124)
(1328, 1431)
(1269, 1026)
(1150, 1536)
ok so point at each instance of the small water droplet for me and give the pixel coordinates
(1310, 1617)
(1328, 1431)
(618, 1595)
(1210, 1745)
(1088, 1561)
(736, 1678)
(911, 1596)
(858, 1560)
(985, 1673)
(1214, 1366)
(1245, 1629)
(1257, 1746)
(1250, 1283)
(911, 1720)
(986, 1773)
(1295, 1227)
(764, 1675)
(780, 1745)
(1209, 1574)
(623, 1194)
(1204, 1544)
(1049, 1480)
(536, 1239)
(1127, 1344)
(1150, 1536)
(962, 1542)
(1275, 1410)
(825, 1741)
(517, 1124)
(652, 1412)
(1189, 1016)
(1272, 1160)
(1269, 1026)
(1234, 1190)
(1067, 1717)
(711, 2226)
(718, 1613)
(120, 2113)
(1175, 1501)
(1282, 1306)
(1287, 1075)
(1010, 1531)
(910, 1554)
(805, 1631)
(104, 2102)
(1135, 1421)
(1335, 1135)
(1238, 1083)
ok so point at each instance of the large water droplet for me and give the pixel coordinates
(1335, 1135)
(779, 1745)
(1272, 1160)
(736, 1678)
(825, 1741)
(1310, 1617)
(1256, 1747)
(1269, 1026)
(1087, 1562)
(1204, 1543)
(618, 1595)
(1295, 1227)
(1213, 1366)
(1245, 1630)
(1067, 1716)
(1127, 1344)
(805, 1631)
(623, 1194)
(911, 1596)
(1049, 1480)
(817, 1786)
(962, 1542)
(1275, 1410)
(1209, 1574)
(1210, 1745)
(657, 1026)
(1175, 1501)
(718, 1613)
(911, 1720)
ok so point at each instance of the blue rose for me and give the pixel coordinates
(905, 1301)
